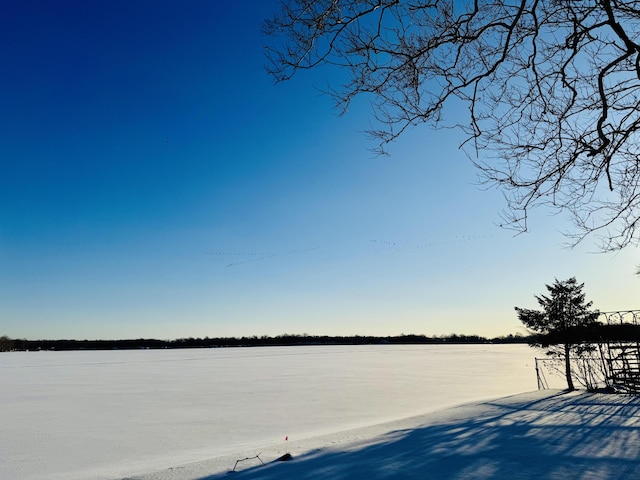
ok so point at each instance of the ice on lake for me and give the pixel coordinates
(109, 414)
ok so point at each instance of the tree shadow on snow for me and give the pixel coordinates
(585, 436)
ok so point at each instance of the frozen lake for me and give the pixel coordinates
(109, 414)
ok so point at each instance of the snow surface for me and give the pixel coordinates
(190, 414)
(538, 435)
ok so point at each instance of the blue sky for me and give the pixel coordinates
(155, 182)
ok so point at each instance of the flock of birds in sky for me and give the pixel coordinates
(243, 258)
(251, 257)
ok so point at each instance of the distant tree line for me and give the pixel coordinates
(7, 344)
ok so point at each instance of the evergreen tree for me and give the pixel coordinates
(564, 316)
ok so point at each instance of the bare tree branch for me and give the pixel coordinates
(552, 89)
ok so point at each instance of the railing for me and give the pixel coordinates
(620, 317)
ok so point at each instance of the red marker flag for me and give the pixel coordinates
(286, 439)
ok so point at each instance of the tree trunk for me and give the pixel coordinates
(567, 367)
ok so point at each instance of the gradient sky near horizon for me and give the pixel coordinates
(155, 182)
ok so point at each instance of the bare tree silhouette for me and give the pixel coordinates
(552, 89)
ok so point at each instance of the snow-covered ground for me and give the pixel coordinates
(158, 414)
(547, 435)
